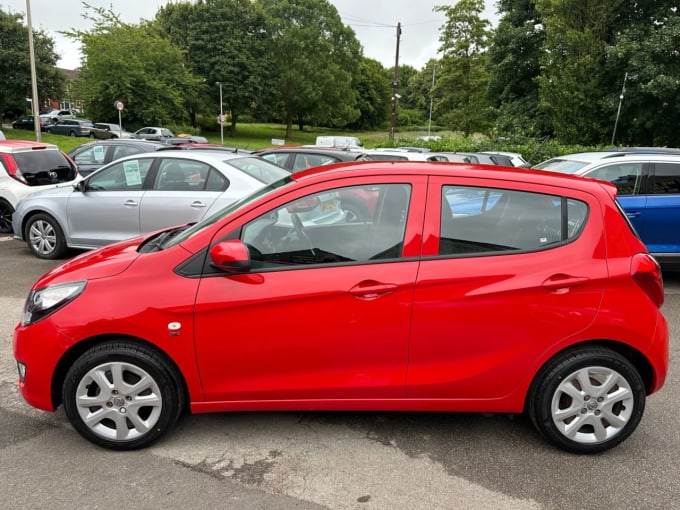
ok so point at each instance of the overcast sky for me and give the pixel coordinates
(373, 21)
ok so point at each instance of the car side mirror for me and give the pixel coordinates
(231, 256)
(79, 186)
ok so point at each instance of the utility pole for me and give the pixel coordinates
(429, 123)
(618, 112)
(35, 107)
(395, 85)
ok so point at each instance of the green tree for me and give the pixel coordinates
(317, 63)
(135, 64)
(373, 95)
(226, 41)
(15, 68)
(460, 91)
(514, 65)
(574, 78)
(645, 51)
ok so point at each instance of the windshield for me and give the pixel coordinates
(564, 166)
(222, 213)
(259, 169)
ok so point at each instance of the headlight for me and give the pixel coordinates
(45, 301)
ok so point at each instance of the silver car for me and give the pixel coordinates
(135, 195)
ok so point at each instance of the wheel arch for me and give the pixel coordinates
(634, 356)
(27, 217)
(78, 349)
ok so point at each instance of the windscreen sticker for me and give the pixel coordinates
(133, 177)
(99, 154)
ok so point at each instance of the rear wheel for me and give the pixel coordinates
(45, 237)
(73, 134)
(121, 396)
(6, 211)
(587, 400)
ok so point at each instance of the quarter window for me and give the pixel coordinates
(488, 220)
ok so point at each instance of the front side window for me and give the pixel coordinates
(476, 220)
(91, 155)
(316, 230)
(121, 151)
(626, 177)
(123, 176)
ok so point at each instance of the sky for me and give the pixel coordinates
(373, 21)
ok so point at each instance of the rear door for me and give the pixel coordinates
(661, 223)
(501, 281)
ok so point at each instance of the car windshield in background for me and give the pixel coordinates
(563, 166)
(259, 169)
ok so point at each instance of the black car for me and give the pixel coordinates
(92, 155)
(26, 122)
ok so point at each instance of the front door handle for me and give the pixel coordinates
(131, 203)
(370, 289)
(197, 204)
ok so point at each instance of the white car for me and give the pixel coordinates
(394, 155)
(153, 133)
(27, 167)
(138, 194)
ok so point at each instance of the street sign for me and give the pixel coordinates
(119, 105)
(221, 119)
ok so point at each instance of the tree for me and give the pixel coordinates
(574, 78)
(373, 95)
(514, 65)
(226, 41)
(135, 64)
(316, 60)
(645, 53)
(15, 69)
(460, 91)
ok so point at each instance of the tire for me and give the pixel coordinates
(103, 403)
(73, 134)
(587, 400)
(45, 237)
(6, 211)
(92, 135)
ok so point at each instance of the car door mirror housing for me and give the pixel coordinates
(231, 256)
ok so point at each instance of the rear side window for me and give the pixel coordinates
(494, 221)
(666, 179)
(626, 176)
(42, 167)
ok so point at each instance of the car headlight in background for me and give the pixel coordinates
(47, 300)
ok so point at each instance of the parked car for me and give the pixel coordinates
(136, 195)
(475, 158)
(106, 131)
(91, 156)
(357, 203)
(516, 159)
(71, 127)
(339, 141)
(154, 133)
(394, 155)
(27, 167)
(27, 122)
(572, 163)
(420, 309)
(57, 115)
(649, 192)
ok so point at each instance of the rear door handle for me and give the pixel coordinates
(564, 281)
(131, 203)
(370, 289)
(197, 204)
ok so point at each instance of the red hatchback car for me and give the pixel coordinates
(468, 289)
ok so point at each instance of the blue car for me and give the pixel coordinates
(649, 192)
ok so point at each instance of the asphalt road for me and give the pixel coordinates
(394, 461)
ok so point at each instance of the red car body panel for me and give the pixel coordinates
(423, 332)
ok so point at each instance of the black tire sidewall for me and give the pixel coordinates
(136, 355)
(5, 206)
(563, 365)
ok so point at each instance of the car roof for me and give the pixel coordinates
(198, 155)
(330, 151)
(495, 173)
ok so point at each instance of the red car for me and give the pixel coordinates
(468, 289)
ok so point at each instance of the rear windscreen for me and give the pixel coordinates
(42, 167)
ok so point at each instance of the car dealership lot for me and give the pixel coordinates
(327, 460)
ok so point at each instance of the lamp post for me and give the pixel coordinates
(221, 118)
(429, 123)
(34, 81)
(618, 112)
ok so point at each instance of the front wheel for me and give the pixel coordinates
(73, 134)
(587, 400)
(121, 396)
(45, 237)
